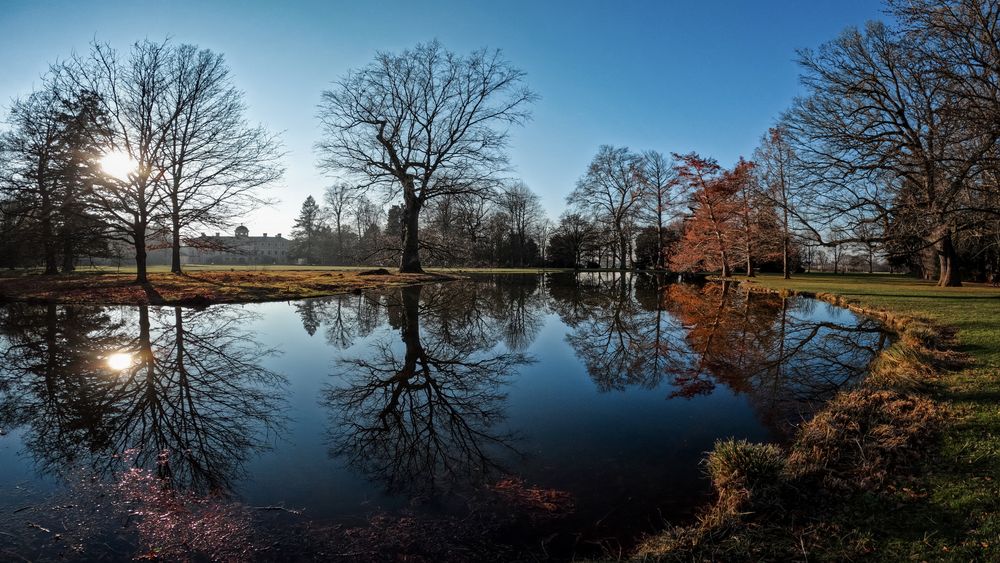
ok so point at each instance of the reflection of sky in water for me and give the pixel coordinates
(605, 438)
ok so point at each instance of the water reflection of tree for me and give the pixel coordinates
(640, 330)
(619, 329)
(344, 317)
(426, 417)
(195, 389)
(502, 308)
(53, 375)
(777, 350)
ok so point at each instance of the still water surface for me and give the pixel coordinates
(607, 389)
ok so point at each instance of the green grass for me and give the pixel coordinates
(950, 510)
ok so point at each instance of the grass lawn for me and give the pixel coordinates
(951, 509)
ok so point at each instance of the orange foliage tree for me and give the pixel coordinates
(713, 227)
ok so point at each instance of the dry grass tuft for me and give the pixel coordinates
(857, 440)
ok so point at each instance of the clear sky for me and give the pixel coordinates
(703, 75)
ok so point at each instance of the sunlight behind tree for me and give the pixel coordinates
(118, 164)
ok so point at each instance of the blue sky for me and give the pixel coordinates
(709, 75)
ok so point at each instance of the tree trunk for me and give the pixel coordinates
(48, 237)
(69, 254)
(947, 261)
(410, 260)
(785, 273)
(175, 232)
(623, 258)
(725, 264)
(784, 259)
(140, 255)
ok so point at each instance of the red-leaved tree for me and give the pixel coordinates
(711, 233)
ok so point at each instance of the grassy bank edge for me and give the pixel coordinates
(783, 505)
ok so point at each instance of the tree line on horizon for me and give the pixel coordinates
(889, 157)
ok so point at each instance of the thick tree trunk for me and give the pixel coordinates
(410, 260)
(948, 262)
(725, 265)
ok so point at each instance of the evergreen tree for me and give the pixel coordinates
(307, 232)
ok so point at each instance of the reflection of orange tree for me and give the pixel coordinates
(196, 390)
(770, 348)
(639, 331)
(426, 419)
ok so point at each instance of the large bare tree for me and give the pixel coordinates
(425, 122)
(880, 134)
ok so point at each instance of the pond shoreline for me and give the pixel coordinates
(838, 461)
(203, 288)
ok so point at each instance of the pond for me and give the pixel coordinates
(564, 411)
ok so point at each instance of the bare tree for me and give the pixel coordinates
(661, 197)
(426, 122)
(879, 106)
(611, 189)
(776, 173)
(134, 92)
(338, 199)
(216, 163)
(524, 210)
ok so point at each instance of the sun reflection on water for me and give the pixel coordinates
(120, 361)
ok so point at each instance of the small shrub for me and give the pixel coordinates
(741, 464)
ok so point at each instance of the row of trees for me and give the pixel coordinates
(503, 227)
(429, 128)
(135, 149)
(893, 150)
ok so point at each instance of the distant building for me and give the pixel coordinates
(239, 249)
